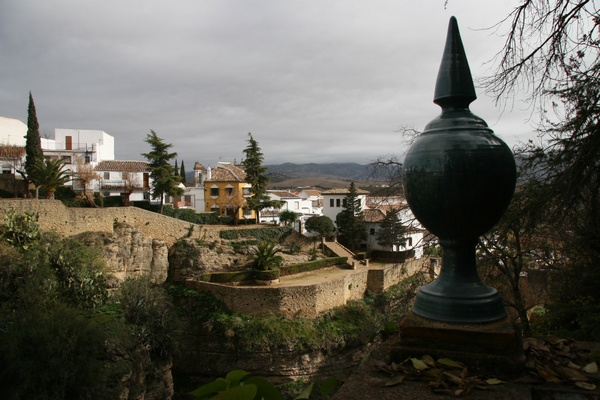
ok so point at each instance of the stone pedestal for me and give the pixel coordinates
(494, 348)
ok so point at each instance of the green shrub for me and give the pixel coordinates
(313, 265)
(53, 353)
(150, 312)
(267, 275)
(228, 277)
(274, 234)
(21, 229)
(79, 270)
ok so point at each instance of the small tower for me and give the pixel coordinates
(199, 174)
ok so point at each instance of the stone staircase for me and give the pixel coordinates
(340, 251)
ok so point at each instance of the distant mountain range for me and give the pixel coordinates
(324, 176)
(346, 171)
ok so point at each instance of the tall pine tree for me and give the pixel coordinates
(162, 173)
(392, 231)
(350, 222)
(256, 176)
(33, 146)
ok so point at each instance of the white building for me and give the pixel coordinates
(121, 178)
(334, 201)
(414, 235)
(316, 199)
(92, 146)
(12, 145)
(12, 132)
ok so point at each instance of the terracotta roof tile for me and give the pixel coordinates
(123, 166)
(11, 151)
(227, 172)
(343, 191)
(373, 215)
(282, 194)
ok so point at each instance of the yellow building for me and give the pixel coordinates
(226, 191)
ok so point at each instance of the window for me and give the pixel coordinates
(215, 209)
(229, 191)
(246, 191)
(214, 192)
(107, 175)
(409, 242)
(188, 199)
(296, 205)
(124, 176)
(66, 159)
(247, 212)
(331, 202)
(337, 202)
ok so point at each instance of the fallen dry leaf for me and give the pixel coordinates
(585, 385)
(591, 368)
(450, 363)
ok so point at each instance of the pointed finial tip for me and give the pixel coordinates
(454, 84)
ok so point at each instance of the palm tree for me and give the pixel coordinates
(51, 175)
(266, 256)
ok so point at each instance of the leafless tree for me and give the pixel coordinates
(85, 174)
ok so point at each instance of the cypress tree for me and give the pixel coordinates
(182, 172)
(33, 145)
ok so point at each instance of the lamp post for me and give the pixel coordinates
(458, 180)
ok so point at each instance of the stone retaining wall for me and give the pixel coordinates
(69, 221)
(297, 301)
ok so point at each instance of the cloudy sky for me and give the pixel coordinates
(313, 80)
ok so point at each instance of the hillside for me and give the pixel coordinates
(325, 176)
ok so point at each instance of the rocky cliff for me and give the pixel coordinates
(128, 254)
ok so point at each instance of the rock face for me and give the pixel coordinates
(209, 355)
(128, 254)
(190, 258)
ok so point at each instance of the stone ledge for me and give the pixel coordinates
(494, 348)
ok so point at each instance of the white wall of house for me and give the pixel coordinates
(99, 142)
(193, 197)
(333, 204)
(414, 240)
(291, 202)
(12, 131)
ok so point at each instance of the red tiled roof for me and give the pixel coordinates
(373, 215)
(11, 151)
(123, 166)
(343, 191)
(198, 166)
(282, 194)
(226, 172)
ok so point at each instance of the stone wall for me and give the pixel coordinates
(69, 221)
(296, 301)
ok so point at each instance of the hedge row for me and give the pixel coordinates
(228, 277)
(390, 256)
(275, 234)
(313, 265)
(186, 214)
(248, 275)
